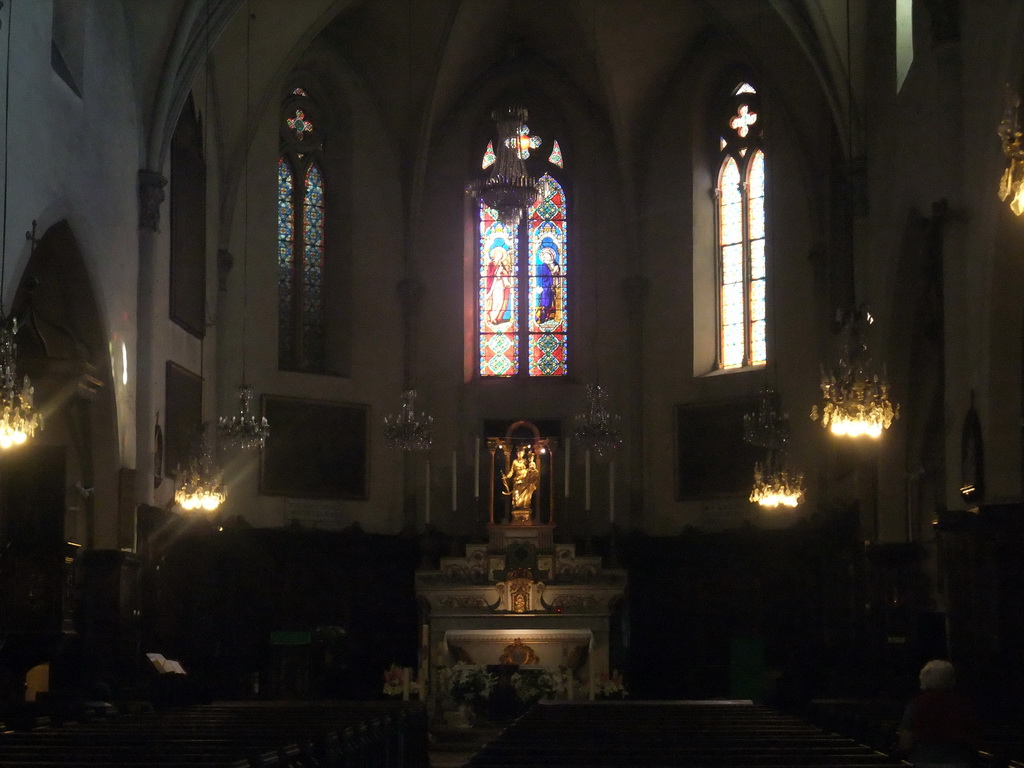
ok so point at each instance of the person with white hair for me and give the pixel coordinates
(939, 726)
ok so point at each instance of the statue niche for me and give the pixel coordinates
(526, 459)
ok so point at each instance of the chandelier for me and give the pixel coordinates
(508, 190)
(200, 486)
(18, 419)
(597, 429)
(245, 429)
(776, 487)
(856, 398)
(407, 429)
(1011, 185)
(775, 484)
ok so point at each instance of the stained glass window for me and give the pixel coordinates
(285, 260)
(522, 295)
(489, 157)
(742, 272)
(300, 238)
(555, 158)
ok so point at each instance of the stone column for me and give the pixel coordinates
(151, 195)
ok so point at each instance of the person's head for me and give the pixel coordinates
(937, 675)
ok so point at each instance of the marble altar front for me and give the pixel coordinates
(522, 591)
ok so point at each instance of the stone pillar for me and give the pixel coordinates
(151, 196)
(635, 290)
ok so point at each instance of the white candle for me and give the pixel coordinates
(586, 479)
(592, 682)
(611, 492)
(455, 480)
(426, 494)
(476, 470)
(567, 467)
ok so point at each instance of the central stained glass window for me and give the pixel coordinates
(522, 310)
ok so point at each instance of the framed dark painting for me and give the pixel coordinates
(316, 449)
(183, 393)
(712, 459)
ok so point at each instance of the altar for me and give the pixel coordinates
(521, 598)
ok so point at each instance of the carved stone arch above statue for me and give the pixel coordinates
(64, 347)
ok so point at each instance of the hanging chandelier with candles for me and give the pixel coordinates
(18, 418)
(200, 487)
(244, 429)
(597, 428)
(509, 189)
(775, 482)
(856, 398)
(776, 487)
(409, 430)
(1011, 185)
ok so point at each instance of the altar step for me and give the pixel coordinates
(452, 747)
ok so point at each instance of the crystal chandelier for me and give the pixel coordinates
(508, 190)
(200, 486)
(856, 398)
(245, 429)
(597, 429)
(18, 419)
(776, 487)
(1011, 185)
(775, 484)
(409, 430)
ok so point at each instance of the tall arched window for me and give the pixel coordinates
(522, 307)
(740, 232)
(300, 238)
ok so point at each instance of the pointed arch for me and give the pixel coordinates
(740, 233)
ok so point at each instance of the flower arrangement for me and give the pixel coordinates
(466, 682)
(394, 682)
(535, 684)
(610, 686)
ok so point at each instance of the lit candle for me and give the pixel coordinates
(567, 467)
(426, 494)
(586, 479)
(611, 492)
(476, 470)
(455, 480)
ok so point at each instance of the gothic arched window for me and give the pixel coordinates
(740, 233)
(300, 238)
(522, 307)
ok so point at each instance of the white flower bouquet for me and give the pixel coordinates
(532, 685)
(466, 682)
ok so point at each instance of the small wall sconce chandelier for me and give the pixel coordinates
(200, 487)
(856, 399)
(509, 189)
(408, 430)
(1011, 185)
